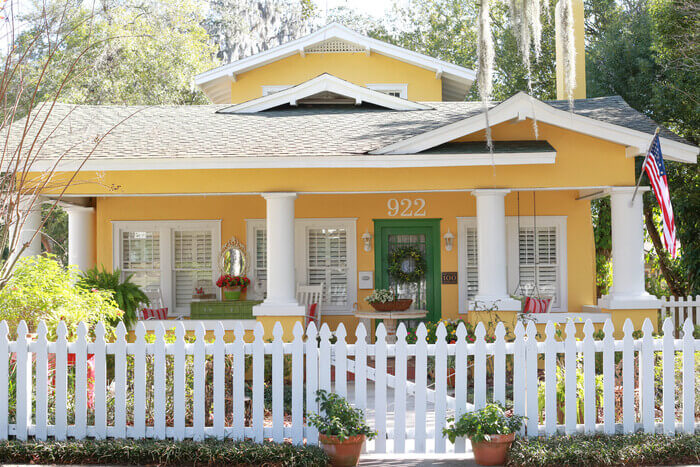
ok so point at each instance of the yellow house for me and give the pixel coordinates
(326, 155)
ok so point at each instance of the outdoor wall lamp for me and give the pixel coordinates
(367, 239)
(449, 240)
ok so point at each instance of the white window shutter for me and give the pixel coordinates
(140, 256)
(327, 262)
(192, 264)
(261, 254)
(472, 262)
(547, 278)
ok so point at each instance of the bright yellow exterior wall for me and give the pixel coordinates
(233, 210)
(358, 68)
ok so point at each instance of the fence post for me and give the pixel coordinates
(519, 383)
(499, 364)
(277, 383)
(120, 382)
(441, 386)
(479, 367)
(421, 382)
(140, 381)
(532, 407)
(341, 361)
(324, 359)
(311, 380)
(461, 380)
(609, 377)
(81, 381)
(4, 376)
(258, 382)
(24, 383)
(298, 384)
(219, 365)
(688, 377)
(200, 375)
(61, 381)
(646, 379)
(550, 380)
(42, 370)
(100, 383)
(669, 396)
(400, 391)
(589, 386)
(238, 391)
(570, 383)
(380, 387)
(179, 381)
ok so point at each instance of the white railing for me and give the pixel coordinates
(679, 309)
(191, 388)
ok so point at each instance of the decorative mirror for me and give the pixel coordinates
(233, 258)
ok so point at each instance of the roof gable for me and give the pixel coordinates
(325, 83)
(522, 106)
(337, 38)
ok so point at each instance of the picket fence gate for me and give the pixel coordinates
(679, 309)
(311, 356)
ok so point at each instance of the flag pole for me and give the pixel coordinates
(636, 187)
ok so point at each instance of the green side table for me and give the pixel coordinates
(216, 309)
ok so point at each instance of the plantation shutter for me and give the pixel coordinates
(261, 254)
(546, 262)
(140, 256)
(327, 263)
(472, 262)
(192, 264)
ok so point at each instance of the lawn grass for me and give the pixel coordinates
(578, 450)
(151, 452)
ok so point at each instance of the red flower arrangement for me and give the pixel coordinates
(228, 281)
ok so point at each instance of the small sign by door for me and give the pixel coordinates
(449, 277)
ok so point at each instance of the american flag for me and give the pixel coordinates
(656, 171)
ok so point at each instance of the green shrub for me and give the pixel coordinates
(151, 452)
(127, 294)
(479, 425)
(338, 418)
(636, 449)
(40, 288)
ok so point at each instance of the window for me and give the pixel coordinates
(325, 253)
(521, 267)
(174, 257)
(396, 90)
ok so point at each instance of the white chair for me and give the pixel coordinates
(155, 309)
(311, 296)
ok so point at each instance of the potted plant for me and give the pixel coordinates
(232, 286)
(490, 430)
(342, 429)
(386, 300)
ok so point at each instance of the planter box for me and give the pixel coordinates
(214, 309)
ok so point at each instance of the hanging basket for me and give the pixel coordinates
(401, 304)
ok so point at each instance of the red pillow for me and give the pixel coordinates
(155, 313)
(311, 316)
(536, 305)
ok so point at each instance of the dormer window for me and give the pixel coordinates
(396, 90)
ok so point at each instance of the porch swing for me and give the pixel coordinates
(533, 301)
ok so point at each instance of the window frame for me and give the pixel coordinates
(166, 229)
(301, 225)
(512, 254)
(402, 88)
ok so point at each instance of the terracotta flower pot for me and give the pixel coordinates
(493, 452)
(342, 453)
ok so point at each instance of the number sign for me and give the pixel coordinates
(406, 207)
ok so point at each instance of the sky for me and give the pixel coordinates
(375, 8)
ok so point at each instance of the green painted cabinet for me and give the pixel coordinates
(215, 309)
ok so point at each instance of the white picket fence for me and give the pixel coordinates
(679, 309)
(408, 415)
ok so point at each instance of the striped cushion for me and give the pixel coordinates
(155, 313)
(311, 316)
(536, 305)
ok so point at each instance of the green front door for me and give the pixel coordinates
(423, 234)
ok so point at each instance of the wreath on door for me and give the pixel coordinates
(407, 264)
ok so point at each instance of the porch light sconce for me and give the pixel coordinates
(449, 240)
(367, 239)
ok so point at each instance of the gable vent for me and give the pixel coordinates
(334, 46)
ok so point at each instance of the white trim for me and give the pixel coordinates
(252, 225)
(306, 162)
(271, 89)
(463, 223)
(558, 222)
(165, 228)
(300, 247)
(388, 87)
(324, 83)
(564, 317)
(336, 31)
(523, 106)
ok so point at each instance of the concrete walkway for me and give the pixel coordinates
(418, 460)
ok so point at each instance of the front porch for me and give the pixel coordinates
(497, 241)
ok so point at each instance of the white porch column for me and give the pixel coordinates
(491, 241)
(81, 236)
(281, 282)
(627, 291)
(32, 222)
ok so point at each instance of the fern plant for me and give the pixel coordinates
(127, 294)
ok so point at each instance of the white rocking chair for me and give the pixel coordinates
(311, 296)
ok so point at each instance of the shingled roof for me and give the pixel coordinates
(203, 131)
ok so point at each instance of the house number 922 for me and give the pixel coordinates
(406, 207)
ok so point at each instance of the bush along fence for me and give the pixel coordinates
(170, 385)
(679, 309)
